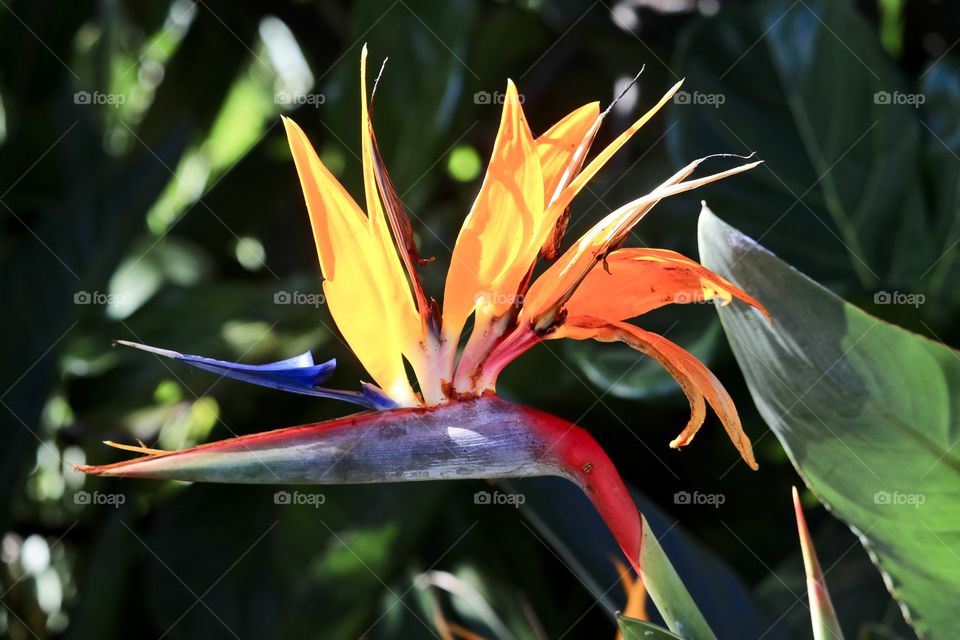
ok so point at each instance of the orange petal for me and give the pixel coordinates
(508, 225)
(562, 200)
(366, 305)
(693, 377)
(557, 284)
(635, 281)
(492, 255)
(557, 147)
(562, 150)
(636, 592)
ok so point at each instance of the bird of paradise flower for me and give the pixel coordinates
(452, 424)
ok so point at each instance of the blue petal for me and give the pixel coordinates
(296, 375)
(376, 396)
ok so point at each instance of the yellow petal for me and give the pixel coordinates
(492, 255)
(634, 281)
(388, 266)
(352, 261)
(694, 378)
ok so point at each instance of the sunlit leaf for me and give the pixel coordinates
(868, 413)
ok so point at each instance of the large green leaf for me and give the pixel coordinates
(941, 90)
(868, 412)
(808, 87)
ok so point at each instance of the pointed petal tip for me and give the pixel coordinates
(681, 441)
(798, 507)
(167, 353)
(142, 448)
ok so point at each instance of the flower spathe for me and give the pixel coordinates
(588, 291)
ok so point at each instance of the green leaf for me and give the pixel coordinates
(868, 412)
(639, 630)
(667, 591)
(564, 518)
(940, 88)
(808, 87)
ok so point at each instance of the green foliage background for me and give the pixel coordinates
(165, 209)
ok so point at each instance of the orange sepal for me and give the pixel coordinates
(696, 380)
(493, 251)
(634, 281)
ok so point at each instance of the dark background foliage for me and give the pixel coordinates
(148, 195)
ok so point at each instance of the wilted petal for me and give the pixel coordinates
(557, 284)
(562, 150)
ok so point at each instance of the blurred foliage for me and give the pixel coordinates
(147, 194)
